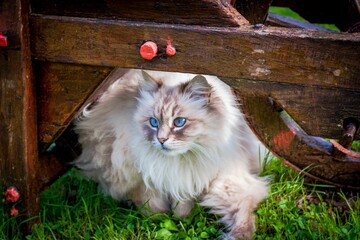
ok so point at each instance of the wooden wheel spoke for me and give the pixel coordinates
(285, 138)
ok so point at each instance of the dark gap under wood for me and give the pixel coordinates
(255, 11)
(277, 20)
(342, 13)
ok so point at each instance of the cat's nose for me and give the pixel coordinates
(162, 140)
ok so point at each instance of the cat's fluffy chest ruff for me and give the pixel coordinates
(156, 134)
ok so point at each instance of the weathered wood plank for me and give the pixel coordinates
(18, 130)
(319, 111)
(62, 89)
(269, 54)
(200, 12)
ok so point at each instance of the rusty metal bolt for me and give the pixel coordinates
(170, 50)
(12, 194)
(148, 50)
(3, 40)
(257, 26)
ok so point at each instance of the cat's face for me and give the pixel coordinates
(174, 119)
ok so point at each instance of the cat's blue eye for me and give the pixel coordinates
(179, 122)
(154, 122)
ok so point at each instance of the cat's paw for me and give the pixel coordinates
(182, 208)
(239, 225)
(243, 230)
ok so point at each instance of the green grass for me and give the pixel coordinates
(286, 12)
(299, 210)
(72, 208)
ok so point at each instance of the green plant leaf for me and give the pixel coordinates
(163, 234)
(169, 225)
(204, 235)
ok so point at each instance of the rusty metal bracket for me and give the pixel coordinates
(342, 147)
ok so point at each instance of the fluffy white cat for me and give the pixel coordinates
(168, 139)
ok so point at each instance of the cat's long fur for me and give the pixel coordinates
(213, 158)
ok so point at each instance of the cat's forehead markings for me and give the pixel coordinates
(167, 103)
(161, 111)
(167, 99)
(173, 112)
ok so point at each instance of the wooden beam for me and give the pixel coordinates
(267, 54)
(200, 12)
(18, 129)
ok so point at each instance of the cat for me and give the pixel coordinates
(169, 139)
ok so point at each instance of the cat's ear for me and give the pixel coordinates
(150, 83)
(198, 88)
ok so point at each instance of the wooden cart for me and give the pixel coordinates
(297, 84)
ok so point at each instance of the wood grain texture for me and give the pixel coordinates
(320, 111)
(62, 89)
(267, 54)
(200, 12)
(18, 129)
